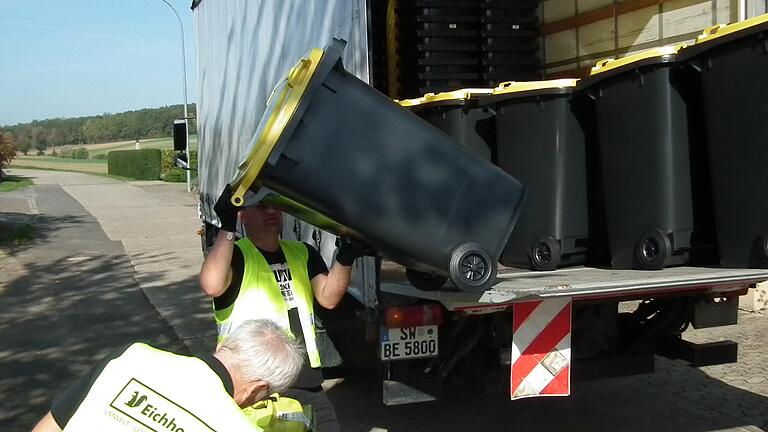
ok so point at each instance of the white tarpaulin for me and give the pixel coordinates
(244, 48)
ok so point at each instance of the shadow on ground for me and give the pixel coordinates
(182, 304)
(626, 404)
(676, 397)
(71, 300)
(42, 227)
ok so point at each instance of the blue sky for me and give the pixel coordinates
(69, 58)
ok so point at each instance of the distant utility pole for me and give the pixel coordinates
(184, 80)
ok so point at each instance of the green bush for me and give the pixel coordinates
(80, 153)
(70, 153)
(170, 172)
(136, 164)
(99, 156)
(176, 175)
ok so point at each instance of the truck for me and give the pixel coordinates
(421, 344)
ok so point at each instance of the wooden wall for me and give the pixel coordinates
(577, 33)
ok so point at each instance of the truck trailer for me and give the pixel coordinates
(419, 342)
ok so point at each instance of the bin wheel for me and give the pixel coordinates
(545, 254)
(471, 269)
(652, 250)
(425, 281)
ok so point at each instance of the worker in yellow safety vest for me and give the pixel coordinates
(143, 388)
(262, 276)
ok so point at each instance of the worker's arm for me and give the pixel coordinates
(47, 424)
(216, 272)
(330, 289)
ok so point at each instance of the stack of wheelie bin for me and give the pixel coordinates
(510, 40)
(655, 182)
(733, 65)
(441, 45)
(437, 44)
(339, 155)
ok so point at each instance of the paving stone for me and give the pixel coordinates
(738, 390)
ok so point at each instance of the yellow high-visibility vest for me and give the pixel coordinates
(260, 297)
(149, 389)
(280, 414)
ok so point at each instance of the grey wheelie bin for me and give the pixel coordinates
(646, 153)
(458, 114)
(340, 155)
(733, 65)
(541, 143)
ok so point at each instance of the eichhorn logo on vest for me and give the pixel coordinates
(136, 400)
(155, 411)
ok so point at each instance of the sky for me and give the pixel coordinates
(72, 58)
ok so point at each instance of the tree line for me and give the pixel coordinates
(130, 125)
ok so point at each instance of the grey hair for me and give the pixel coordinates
(265, 351)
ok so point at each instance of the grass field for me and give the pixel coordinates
(159, 143)
(11, 183)
(91, 166)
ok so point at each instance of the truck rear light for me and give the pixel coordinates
(413, 316)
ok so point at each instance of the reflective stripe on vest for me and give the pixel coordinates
(260, 296)
(149, 389)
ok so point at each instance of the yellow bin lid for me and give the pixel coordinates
(664, 53)
(458, 96)
(509, 87)
(281, 106)
(721, 30)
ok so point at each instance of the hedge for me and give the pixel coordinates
(136, 164)
(76, 153)
(170, 172)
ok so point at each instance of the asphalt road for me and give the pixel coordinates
(115, 262)
(67, 299)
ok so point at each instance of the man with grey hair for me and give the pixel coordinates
(140, 387)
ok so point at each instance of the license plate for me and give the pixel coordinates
(408, 342)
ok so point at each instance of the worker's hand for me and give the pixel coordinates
(349, 250)
(226, 211)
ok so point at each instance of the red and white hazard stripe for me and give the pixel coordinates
(541, 348)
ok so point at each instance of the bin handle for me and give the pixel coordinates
(602, 63)
(709, 31)
(506, 84)
(274, 90)
(296, 71)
